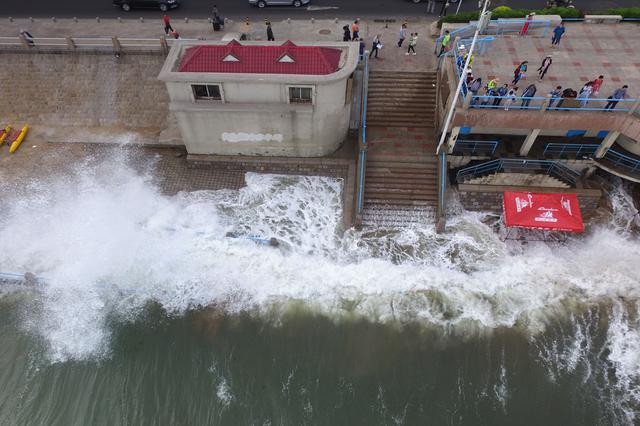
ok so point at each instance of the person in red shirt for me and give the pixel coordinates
(355, 31)
(167, 24)
(596, 85)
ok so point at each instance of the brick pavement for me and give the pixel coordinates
(585, 52)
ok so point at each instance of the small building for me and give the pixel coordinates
(258, 98)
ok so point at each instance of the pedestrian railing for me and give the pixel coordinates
(574, 150)
(362, 153)
(547, 167)
(553, 104)
(621, 162)
(442, 192)
(469, 147)
(89, 43)
(482, 45)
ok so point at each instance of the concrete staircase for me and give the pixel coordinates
(401, 99)
(399, 190)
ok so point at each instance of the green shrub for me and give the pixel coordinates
(463, 17)
(505, 12)
(501, 9)
(625, 12)
(565, 12)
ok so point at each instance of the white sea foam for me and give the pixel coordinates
(109, 242)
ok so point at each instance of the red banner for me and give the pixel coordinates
(558, 212)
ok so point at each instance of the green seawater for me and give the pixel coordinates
(209, 368)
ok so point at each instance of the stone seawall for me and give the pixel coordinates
(85, 97)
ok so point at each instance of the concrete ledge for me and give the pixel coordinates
(602, 19)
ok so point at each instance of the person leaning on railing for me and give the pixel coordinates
(618, 95)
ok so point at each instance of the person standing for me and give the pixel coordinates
(502, 92)
(584, 94)
(520, 72)
(270, 36)
(527, 21)
(597, 83)
(402, 34)
(355, 31)
(528, 93)
(347, 33)
(167, 24)
(413, 40)
(544, 67)
(619, 94)
(511, 98)
(375, 46)
(557, 34)
(445, 43)
(474, 88)
(554, 96)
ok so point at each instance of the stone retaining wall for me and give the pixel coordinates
(88, 90)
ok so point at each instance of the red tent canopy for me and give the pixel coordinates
(557, 212)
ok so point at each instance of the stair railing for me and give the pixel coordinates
(362, 142)
(548, 167)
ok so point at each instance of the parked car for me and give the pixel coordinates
(264, 3)
(163, 5)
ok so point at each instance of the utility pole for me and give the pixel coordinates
(447, 122)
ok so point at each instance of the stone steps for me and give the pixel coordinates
(385, 216)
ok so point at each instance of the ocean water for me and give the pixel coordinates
(148, 313)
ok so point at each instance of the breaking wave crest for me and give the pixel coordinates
(108, 242)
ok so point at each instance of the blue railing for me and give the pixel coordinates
(455, 33)
(620, 161)
(363, 134)
(442, 187)
(548, 167)
(482, 44)
(552, 104)
(469, 147)
(574, 149)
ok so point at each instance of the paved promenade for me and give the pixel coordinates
(585, 52)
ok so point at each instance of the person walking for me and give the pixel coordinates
(619, 94)
(167, 24)
(355, 30)
(402, 34)
(502, 92)
(584, 94)
(511, 98)
(375, 46)
(444, 47)
(557, 34)
(528, 93)
(554, 96)
(413, 40)
(544, 67)
(597, 83)
(270, 36)
(520, 72)
(347, 33)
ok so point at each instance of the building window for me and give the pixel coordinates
(206, 92)
(300, 95)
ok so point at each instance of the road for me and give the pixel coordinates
(240, 8)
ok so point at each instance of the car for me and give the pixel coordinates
(264, 3)
(163, 5)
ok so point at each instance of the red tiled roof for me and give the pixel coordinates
(307, 60)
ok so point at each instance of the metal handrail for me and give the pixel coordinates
(624, 161)
(540, 103)
(363, 134)
(475, 147)
(551, 168)
(587, 150)
(471, 28)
